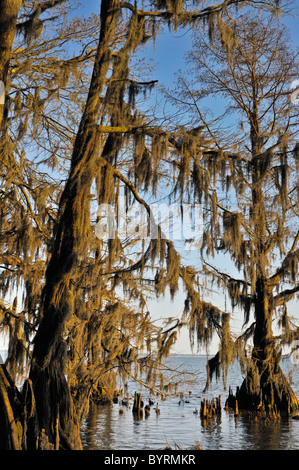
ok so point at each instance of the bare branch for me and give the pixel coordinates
(285, 296)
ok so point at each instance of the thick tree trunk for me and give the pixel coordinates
(11, 428)
(265, 384)
(263, 336)
(273, 390)
(19, 427)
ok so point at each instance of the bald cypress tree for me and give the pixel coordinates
(106, 99)
(81, 328)
(251, 194)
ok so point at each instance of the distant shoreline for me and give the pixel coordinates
(187, 354)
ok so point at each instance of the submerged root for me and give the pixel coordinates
(271, 395)
(20, 427)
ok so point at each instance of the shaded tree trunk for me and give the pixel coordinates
(10, 413)
(55, 407)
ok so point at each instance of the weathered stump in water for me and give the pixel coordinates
(210, 408)
(231, 399)
(236, 408)
(138, 405)
(126, 401)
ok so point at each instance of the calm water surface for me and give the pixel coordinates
(105, 428)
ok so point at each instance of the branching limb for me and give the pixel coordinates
(285, 296)
(141, 201)
(292, 255)
(226, 276)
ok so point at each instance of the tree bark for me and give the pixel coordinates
(265, 385)
(53, 398)
(8, 19)
(11, 429)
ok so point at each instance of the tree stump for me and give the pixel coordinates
(138, 405)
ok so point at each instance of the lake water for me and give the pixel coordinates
(178, 425)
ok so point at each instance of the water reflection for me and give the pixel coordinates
(105, 428)
(98, 428)
(269, 435)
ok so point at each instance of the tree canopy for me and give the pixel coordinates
(75, 137)
(252, 195)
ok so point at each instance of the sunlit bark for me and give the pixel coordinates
(8, 19)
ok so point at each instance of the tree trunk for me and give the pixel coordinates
(19, 427)
(11, 428)
(265, 384)
(55, 407)
(273, 390)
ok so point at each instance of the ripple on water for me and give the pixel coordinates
(104, 428)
